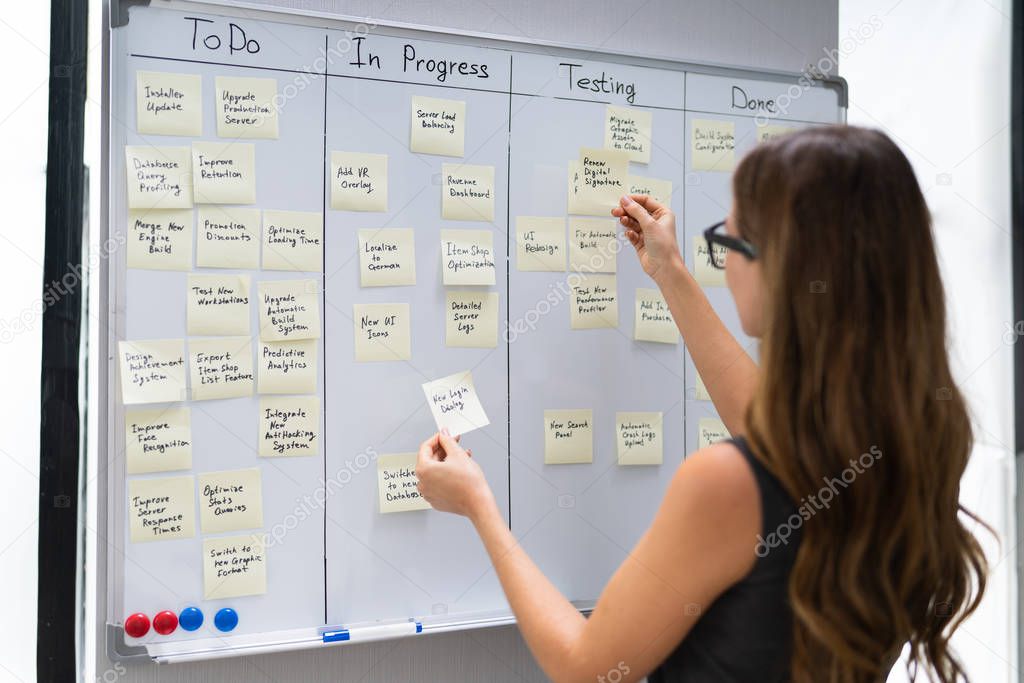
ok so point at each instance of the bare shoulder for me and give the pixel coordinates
(717, 475)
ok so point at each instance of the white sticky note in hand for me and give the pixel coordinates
(454, 403)
(396, 484)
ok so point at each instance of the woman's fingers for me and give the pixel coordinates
(636, 211)
(428, 451)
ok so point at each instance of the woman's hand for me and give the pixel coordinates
(651, 229)
(449, 478)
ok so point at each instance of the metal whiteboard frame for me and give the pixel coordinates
(117, 14)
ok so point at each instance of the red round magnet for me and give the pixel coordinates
(165, 622)
(137, 625)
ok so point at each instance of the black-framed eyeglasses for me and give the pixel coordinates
(719, 242)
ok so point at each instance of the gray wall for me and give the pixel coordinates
(783, 35)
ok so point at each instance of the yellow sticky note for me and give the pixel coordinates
(604, 177)
(467, 257)
(287, 367)
(639, 438)
(160, 239)
(467, 192)
(628, 130)
(159, 177)
(228, 237)
(289, 426)
(289, 309)
(161, 509)
(701, 390)
(152, 371)
(231, 500)
(396, 484)
(169, 103)
(712, 145)
(657, 189)
(246, 107)
(703, 272)
(382, 332)
(158, 440)
(218, 304)
(234, 566)
(770, 131)
(438, 126)
(293, 240)
(568, 437)
(220, 367)
(359, 182)
(454, 403)
(540, 243)
(593, 245)
(653, 321)
(387, 257)
(577, 202)
(709, 431)
(594, 302)
(224, 172)
(471, 319)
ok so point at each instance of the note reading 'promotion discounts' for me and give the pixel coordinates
(396, 483)
(568, 437)
(228, 237)
(454, 403)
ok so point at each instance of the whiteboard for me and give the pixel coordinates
(332, 560)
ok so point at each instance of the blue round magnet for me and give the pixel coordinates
(191, 618)
(226, 619)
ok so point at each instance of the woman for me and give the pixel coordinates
(750, 571)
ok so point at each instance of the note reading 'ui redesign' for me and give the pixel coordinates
(438, 126)
(160, 239)
(712, 145)
(287, 367)
(293, 240)
(218, 304)
(628, 130)
(161, 509)
(709, 431)
(224, 172)
(703, 271)
(568, 437)
(234, 566)
(382, 332)
(387, 257)
(289, 309)
(231, 500)
(471, 319)
(359, 181)
(228, 237)
(467, 257)
(593, 245)
(152, 371)
(159, 177)
(639, 437)
(540, 243)
(169, 103)
(396, 483)
(652, 320)
(454, 403)
(594, 302)
(289, 426)
(246, 107)
(158, 440)
(467, 192)
(220, 367)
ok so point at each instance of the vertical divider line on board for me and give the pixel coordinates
(323, 309)
(508, 294)
(681, 220)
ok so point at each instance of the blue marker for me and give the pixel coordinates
(191, 618)
(370, 633)
(226, 619)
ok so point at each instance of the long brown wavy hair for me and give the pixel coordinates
(854, 361)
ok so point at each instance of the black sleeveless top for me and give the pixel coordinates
(746, 634)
